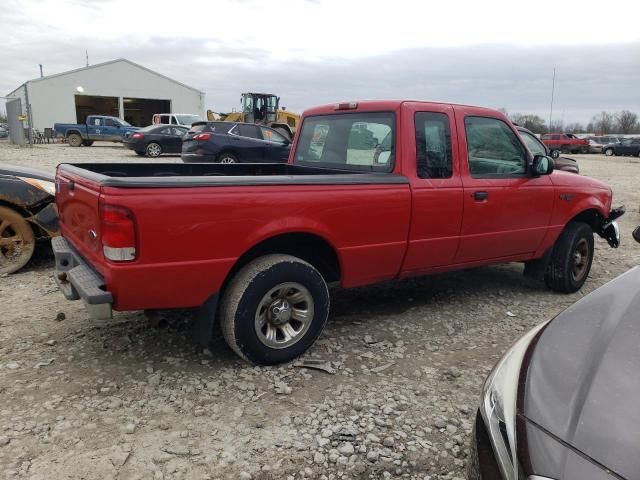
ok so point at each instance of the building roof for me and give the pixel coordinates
(103, 64)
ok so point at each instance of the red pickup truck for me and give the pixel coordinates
(373, 191)
(564, 143)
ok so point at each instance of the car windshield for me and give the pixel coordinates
(534, 145)
(188, 119)
(350, 141)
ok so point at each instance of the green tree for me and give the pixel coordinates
(532, 122)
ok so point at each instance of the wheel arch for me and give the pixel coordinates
(310, 247)
(71, 132)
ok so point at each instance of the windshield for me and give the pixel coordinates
(350, 141)
(188, 119)
(534, 145)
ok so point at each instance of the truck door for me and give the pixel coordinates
(506, 211)
(111, 130)
(431, 158)
(94, 128)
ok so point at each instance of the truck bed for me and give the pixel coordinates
(162, 175)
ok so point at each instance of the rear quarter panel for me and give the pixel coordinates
(190, 238)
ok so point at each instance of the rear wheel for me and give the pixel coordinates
(227, 158)
(555, 153)
(17, 241)
(74, 140)
(609, 152)
(153, 150)
(571, 258)
(274, 309)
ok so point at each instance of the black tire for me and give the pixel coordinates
(244, 299)
(153, 150)
(555, 153)
(226, 157)
(87, 143)
(17, 241)
(74, 140)
(142, 154)
(571, 259)
(609, 152)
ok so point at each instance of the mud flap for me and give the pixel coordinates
(204, 321)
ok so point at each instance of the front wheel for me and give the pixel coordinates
(571, 259)
(17, 241)
(609, 152)
(153, 150)
(274, 309)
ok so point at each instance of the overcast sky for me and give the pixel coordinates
(487, 52)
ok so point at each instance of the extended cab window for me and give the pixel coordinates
(352, 141)
(494, 149)
(433, 145)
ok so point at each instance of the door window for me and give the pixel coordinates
(108, 122)
(493, 148)
(555, 137)
(433, 145)
(272, 136)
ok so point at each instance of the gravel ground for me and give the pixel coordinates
(134, 398)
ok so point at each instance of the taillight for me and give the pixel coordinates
(137, 135)
(118, 233)
(202, 136)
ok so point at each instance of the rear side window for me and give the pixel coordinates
(433, 145)
(249, 131)
(351, 141)
(272, 136)
(555, 137)
(494, 150)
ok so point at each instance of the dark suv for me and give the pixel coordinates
(234, 142)
(628, 146)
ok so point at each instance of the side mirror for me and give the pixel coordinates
(636, 234)
(541, 165)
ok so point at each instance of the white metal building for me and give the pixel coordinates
(120, 88)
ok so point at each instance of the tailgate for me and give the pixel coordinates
(77, 199)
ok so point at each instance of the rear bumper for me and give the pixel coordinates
(78, 281)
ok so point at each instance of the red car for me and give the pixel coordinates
(255, 245)
(564, 143)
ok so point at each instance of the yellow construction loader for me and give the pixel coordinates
(261, 108)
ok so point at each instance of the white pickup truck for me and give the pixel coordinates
(175, 119)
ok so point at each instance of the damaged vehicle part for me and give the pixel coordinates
(27, 214)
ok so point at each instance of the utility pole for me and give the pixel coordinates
(553, 88)
(41, 74)
(86, 55)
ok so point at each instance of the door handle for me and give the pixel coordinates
(480, 195)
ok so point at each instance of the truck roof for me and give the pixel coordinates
(372, 105)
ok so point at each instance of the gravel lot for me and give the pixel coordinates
(133, 398)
